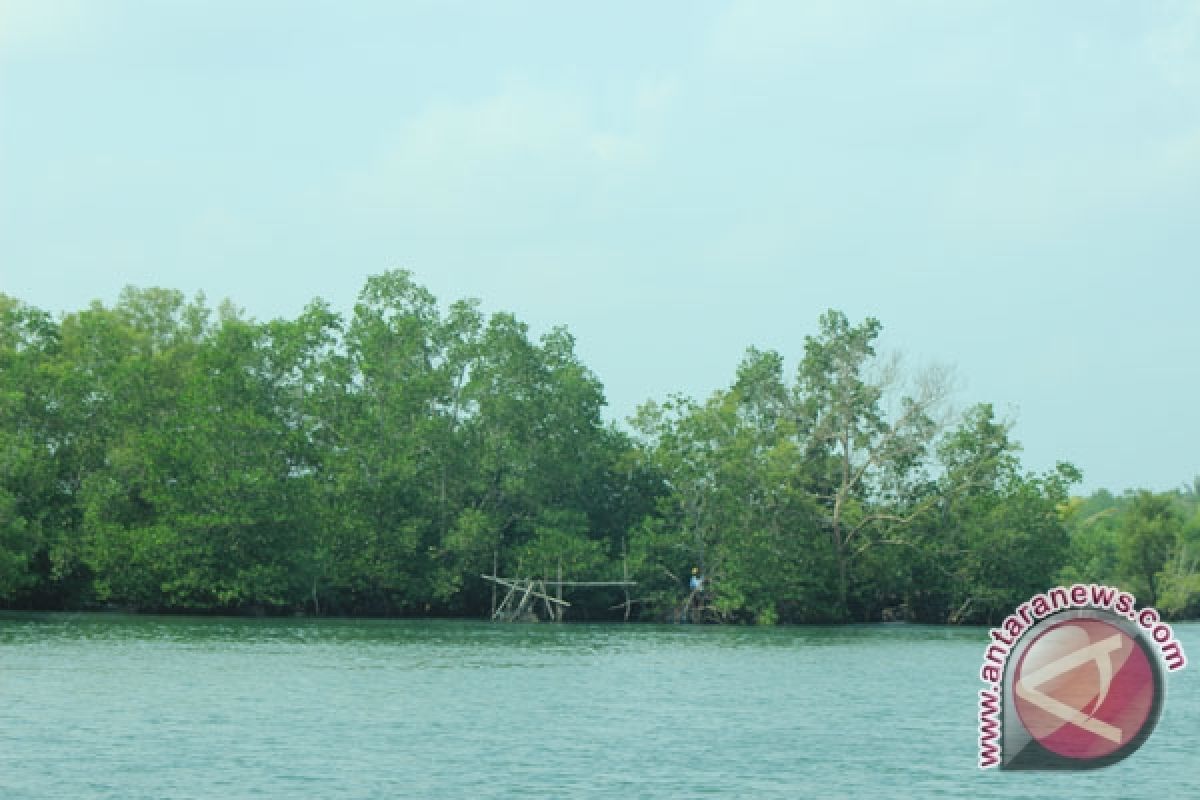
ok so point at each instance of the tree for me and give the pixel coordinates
(1147, 536)
(865, 457)
(39, 466)
(1179, 582)
(999, 534)
(1092, 523)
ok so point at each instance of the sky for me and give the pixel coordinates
(1011, 188)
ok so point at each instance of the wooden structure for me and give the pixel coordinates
(521, 604)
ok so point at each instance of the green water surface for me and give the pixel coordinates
(110, 706)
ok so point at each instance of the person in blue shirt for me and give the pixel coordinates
(697, 581)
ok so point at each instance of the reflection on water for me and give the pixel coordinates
(103, 705)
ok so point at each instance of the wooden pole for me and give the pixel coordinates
(527, 586)
(527, 590)
(495, 569)
(558, 592)
(552, 611)
(550, 582)
(504, 605)
(625, 580)
(524, 601)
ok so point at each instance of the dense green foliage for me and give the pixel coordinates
(1149, 543)
(160, 455)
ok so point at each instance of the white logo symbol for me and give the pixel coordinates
(1100, 653)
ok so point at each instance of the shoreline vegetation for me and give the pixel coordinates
(163, 456)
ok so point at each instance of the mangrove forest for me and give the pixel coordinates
(161, 455)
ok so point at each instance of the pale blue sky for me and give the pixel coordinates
(1012, 188)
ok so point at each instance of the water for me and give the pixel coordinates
(105, 706)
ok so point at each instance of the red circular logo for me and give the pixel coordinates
(1084, 688)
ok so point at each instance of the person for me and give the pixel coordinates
(697, 581)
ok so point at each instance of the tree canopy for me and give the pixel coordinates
(160, 454)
